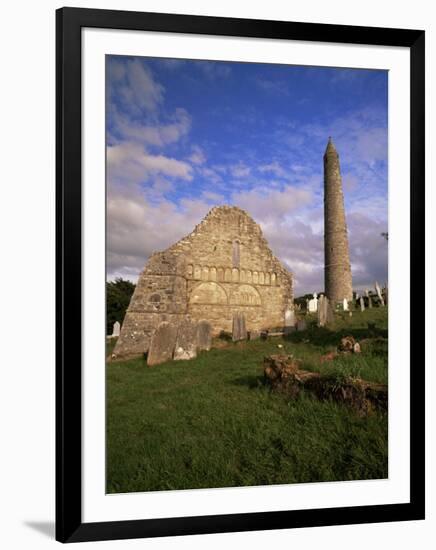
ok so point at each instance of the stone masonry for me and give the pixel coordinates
(224, 267)
(337, 268)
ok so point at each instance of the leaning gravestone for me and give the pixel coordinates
(116, 329)
(239, 330)
(186, 342)
(379, 294)
(204, 335)
(162, 344)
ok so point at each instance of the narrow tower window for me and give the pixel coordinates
(235, 254)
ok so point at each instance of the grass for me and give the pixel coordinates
(211, 422)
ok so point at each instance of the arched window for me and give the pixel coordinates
(235, 254)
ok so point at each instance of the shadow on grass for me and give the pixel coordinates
(322, 336)
(251, 381)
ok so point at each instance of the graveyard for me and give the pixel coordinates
(212, 421)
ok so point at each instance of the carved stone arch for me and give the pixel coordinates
(212, 273)
(205, 273)
(228, 275)
(190, 271)
(249, 276)
(197, 272)
(209, 293)
(245, 295)
(255, 277)
(220, 274)
(235, 275)
(261, 278)
(273, 278)
(267, 279)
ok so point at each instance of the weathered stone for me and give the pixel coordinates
(356, 348)
(337, 267)
(369, 301)
(289, 318)
(345, 304)
(301, 324)
(222, 267)
(239, 330)
(283, 374)
(204, 335)
(322, 310)
(254, 334)
(362, 304)
(116, 329)
(347, 344)
(329, 316)
(187, 341)
(162, 344)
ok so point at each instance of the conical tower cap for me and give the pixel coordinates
(330, 147)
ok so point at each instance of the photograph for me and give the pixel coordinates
(246, 274)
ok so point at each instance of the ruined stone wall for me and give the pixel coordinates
(224, 266)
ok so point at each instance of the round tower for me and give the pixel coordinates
(337, 269)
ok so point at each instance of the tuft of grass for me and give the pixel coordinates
(211, 422)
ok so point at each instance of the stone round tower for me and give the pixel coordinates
(337, 269)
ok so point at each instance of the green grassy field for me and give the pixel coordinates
(211, 422)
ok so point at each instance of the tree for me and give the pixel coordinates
(118, 294)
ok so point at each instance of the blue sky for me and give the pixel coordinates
(184, 136)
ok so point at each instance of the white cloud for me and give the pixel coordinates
(273, 168)
(157, 134)
(197, 156)
(240, 170)
(136, 86)
(129, 163)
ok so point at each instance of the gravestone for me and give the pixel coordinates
(204, 335)
(301, 324)
(162, 344)
(379, 294)
(239, 330)
(186, 342)
(289, 318)
(322, 310)
(386, 295)
(329, 313)
(362, 304)
(369, 301)
(116, 329)
(254, 335)
(313, 304)
(345, 304)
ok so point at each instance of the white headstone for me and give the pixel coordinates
(345, 304)
(116, 329)
(313, 304)
(289, 318)
(362, 304)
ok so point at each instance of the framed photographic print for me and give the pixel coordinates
(240, 225)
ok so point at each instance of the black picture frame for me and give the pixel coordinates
(69, 525)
